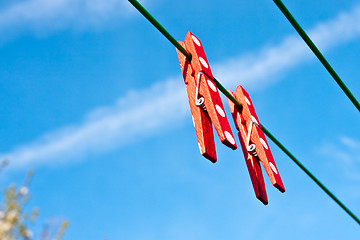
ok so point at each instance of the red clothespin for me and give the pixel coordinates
(205, 102)
(254, 145)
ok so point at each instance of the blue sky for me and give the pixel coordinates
(93, 100)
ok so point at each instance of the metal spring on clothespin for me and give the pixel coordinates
(199, 101)
(251, 148)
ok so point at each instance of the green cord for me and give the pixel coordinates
(158, 26)
(317, 52)
(148, 16)
(322, 186)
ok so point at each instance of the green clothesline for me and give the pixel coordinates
(317, 52)
(221, 88)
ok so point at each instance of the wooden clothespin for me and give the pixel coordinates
(254, 145)
(205, 102)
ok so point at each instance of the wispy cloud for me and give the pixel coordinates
(252, 69)
(43, 16)
(346, 154)
(130, 120)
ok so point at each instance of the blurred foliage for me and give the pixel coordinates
(15, 222)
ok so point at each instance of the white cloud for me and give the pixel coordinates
(346, 154)
(136, 115)
(255, 70)
(338, 30)
(43, 16)
(133, 118)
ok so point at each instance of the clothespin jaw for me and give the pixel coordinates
(208, 109)
(209, 91)
(201, 119)
(254, 145)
